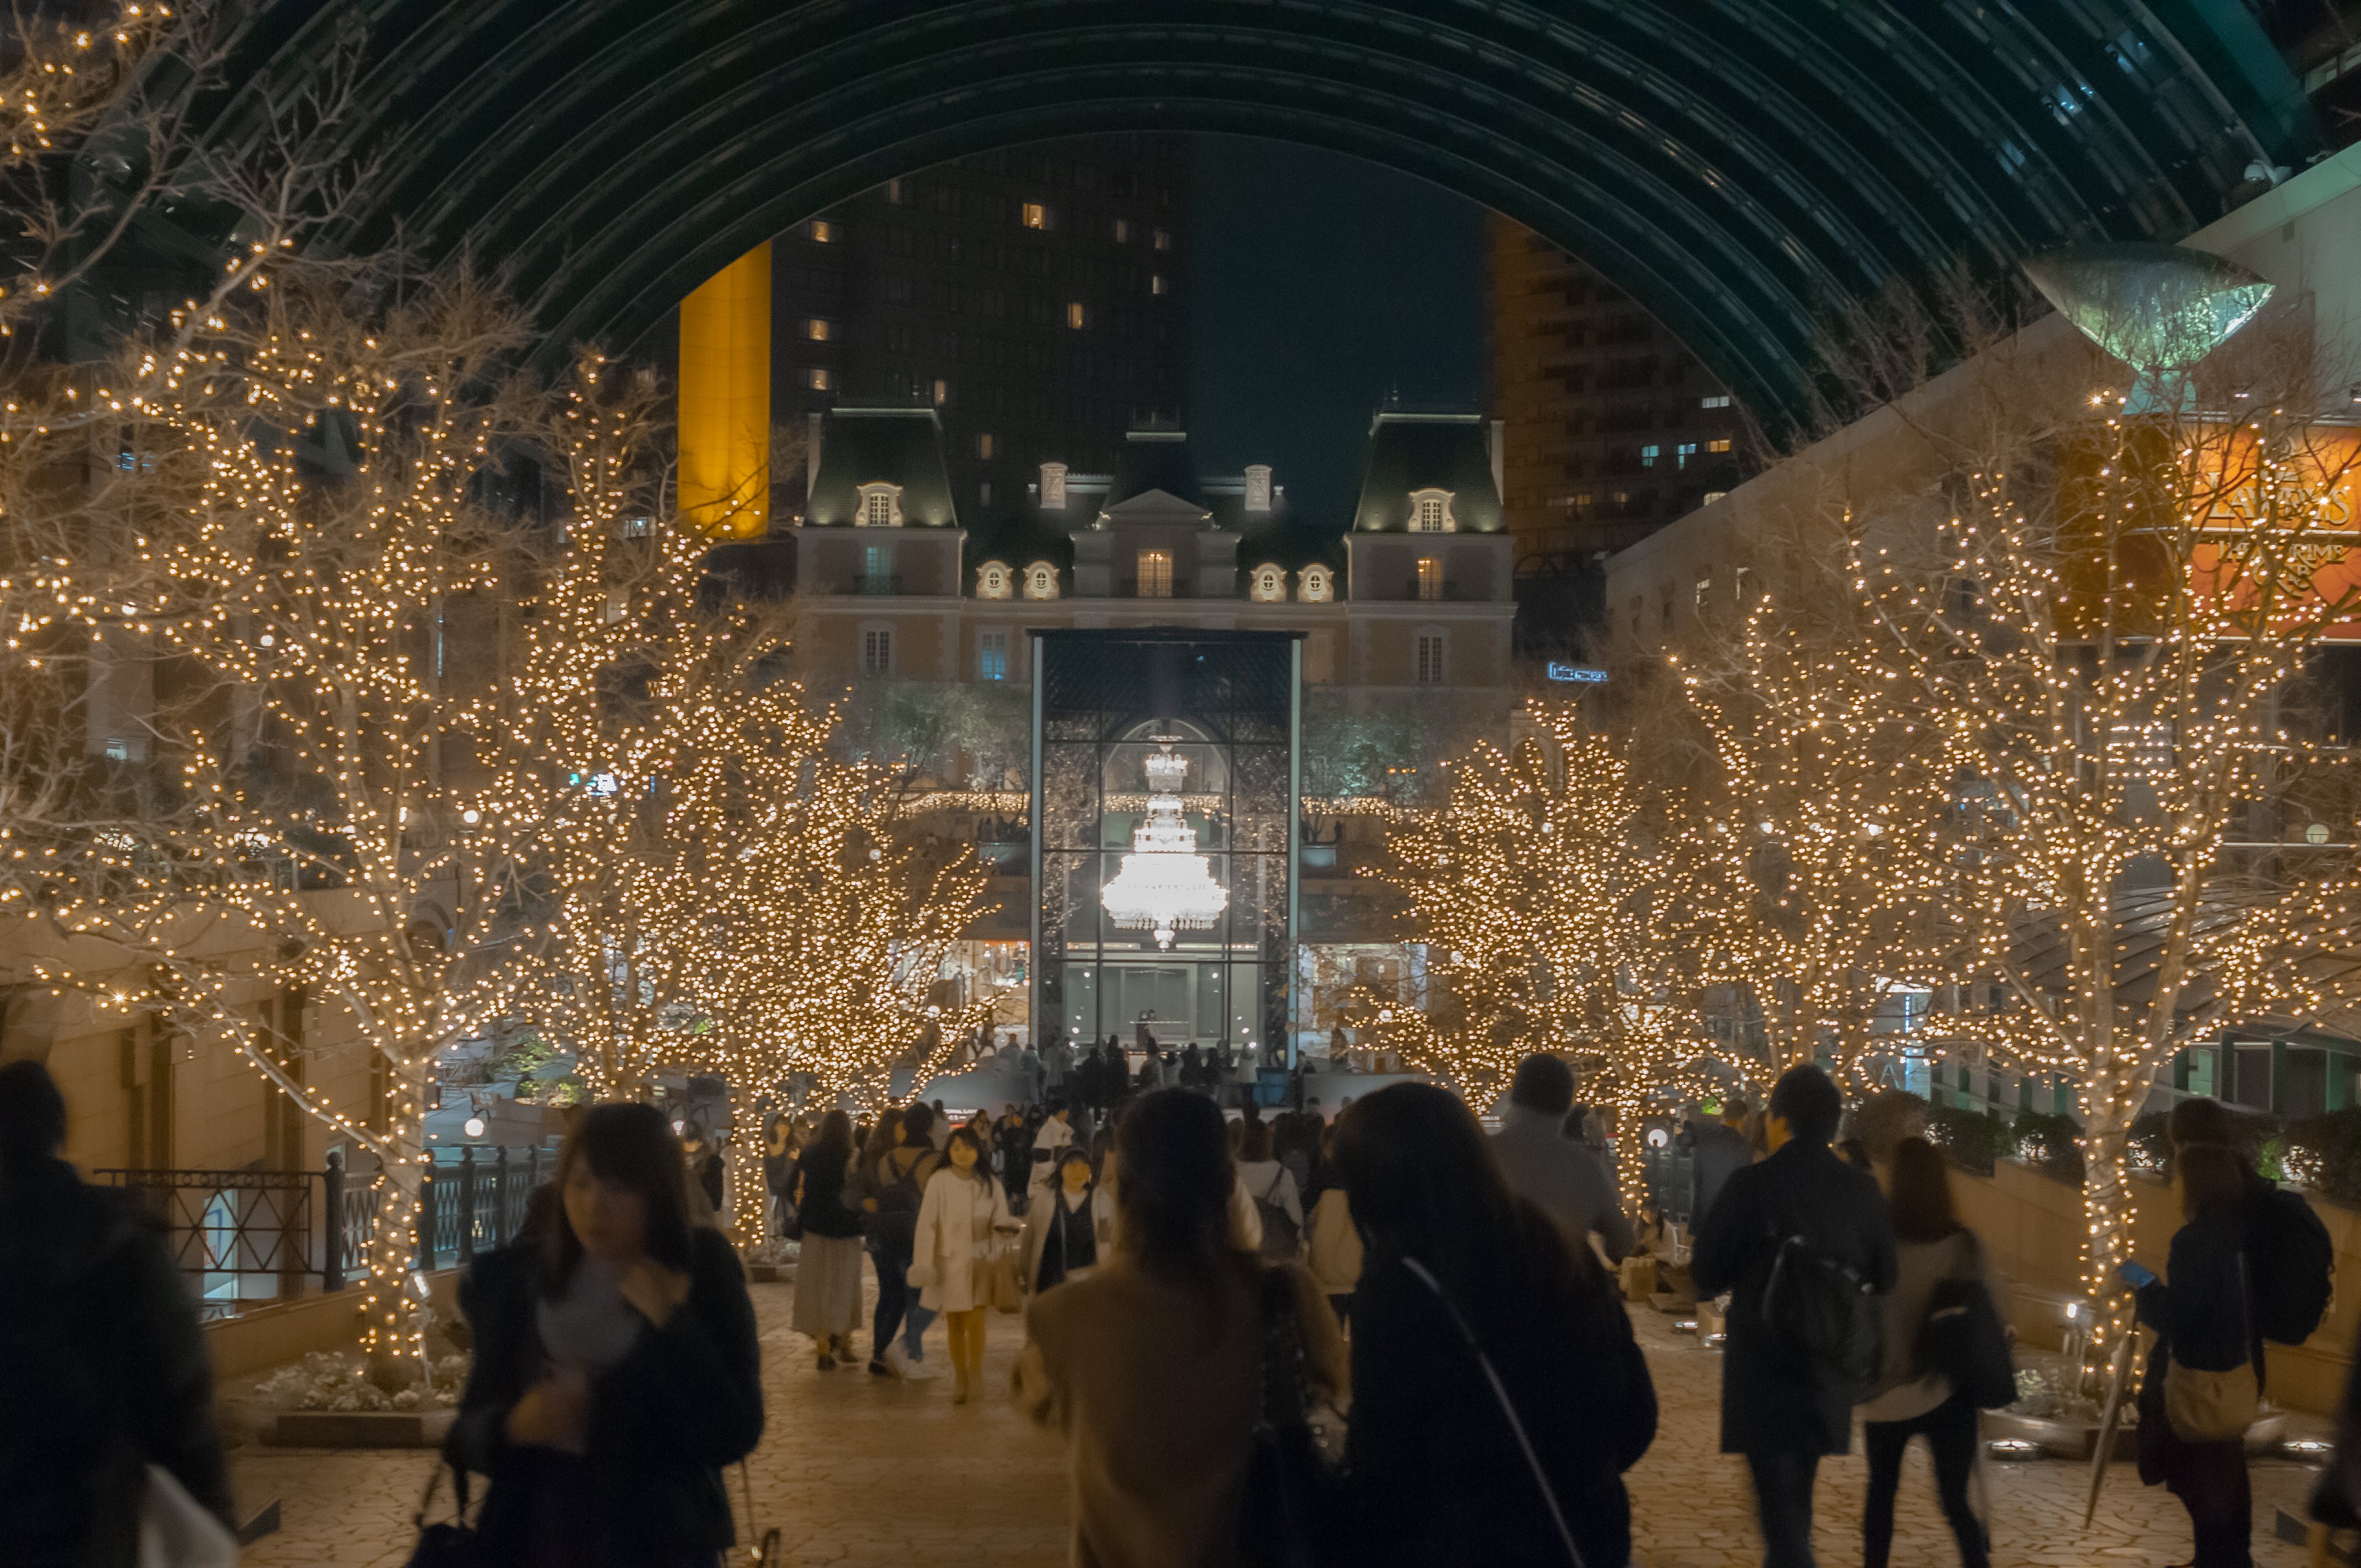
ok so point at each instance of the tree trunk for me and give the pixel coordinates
(393, 1333)
(2112, 1098)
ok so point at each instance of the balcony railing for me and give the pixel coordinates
(887, 583)
(1431, 589)
(1128, 589)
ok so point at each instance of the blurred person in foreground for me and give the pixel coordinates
(1437, 1474)
(617, 1369)
(102, 1370)
(1153, 1365)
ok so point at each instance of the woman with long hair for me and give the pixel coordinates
(1931, 1246)
(1459, 1272)
(1063, 1230)
(1152, 1367)
(2204, 1314)
(894, 1172)
(617, 1369)
(828, 1276)
(964, 1225)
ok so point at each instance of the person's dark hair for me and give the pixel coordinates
(835, 1133)
(917, 1121)
(1921, 1199)
(1807, 1100)
(32, 1117)
(2211, 1181)
(1173, 1196)
(1543, 1083)
(631, 1145)
(1074, 1154)
(1423, 1183)
(1254, 1142)
(1057, 1104)
(1734, 1111)
(2200, 1121)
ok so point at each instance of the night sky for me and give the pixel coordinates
(1319, 284)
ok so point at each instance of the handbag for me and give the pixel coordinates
(1004, 1292)
(452, 1545)
(175, 1531)
(1291, 1513)
(2214, 1407)
(1501, 1393)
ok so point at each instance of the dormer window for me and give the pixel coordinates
(1319, 586)
(1429, 512)
(1040, 581)
(880, 506)
(993, 581)
(1269, 585)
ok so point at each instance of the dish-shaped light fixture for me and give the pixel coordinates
(2158, 308)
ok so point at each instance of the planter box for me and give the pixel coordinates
(361, 1428)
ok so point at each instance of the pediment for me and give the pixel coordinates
(1155, 506)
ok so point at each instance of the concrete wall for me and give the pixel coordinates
(2032, 1228)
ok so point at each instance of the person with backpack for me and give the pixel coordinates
(104, 1375)
(2289, 1254)
(2204, 1378)
(1499, 1393)
(1803, 1242)
(894, 1184)
(1276, 1203)
(1153, 1365)
(1913, 1398)
(1559, 1176)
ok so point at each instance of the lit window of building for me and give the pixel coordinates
(1158, 283)
(1163, 239)
(1033, 215)
(1648, 454)
(992, 581)
(1269, 584)
(822, 232)
(942, 391)
(876, 652)
(1683, 452)
(1430, 577)
(1721, 445)
(1713, 495)
(1318, 586)
(1718, 400)
(819, 329)
(1076, 316)
(819, 378)
(898, 193)
(1156, 574)
(991, 657)
(983, 444)
(1123, 231)
(1040, 581)
(1429, 671)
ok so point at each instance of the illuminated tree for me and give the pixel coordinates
(1556, 915)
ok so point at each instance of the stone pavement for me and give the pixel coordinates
(856, 1470)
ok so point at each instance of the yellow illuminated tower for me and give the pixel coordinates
(725, 399)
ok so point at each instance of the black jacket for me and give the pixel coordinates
(1772, 1398)
(103, 1371)
(823, 1208)
(687, 1401)
(1437, 1478)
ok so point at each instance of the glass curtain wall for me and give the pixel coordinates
(1113, 708)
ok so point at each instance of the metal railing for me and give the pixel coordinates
(874, 583)
(225, 1227)
(1431, 590)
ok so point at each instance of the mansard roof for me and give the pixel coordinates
(893, 446)
(1409, 452)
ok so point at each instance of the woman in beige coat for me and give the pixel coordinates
(1152, 1366)
(964, 1225)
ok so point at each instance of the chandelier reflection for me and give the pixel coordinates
(1164, 885)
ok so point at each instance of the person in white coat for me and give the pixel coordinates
(964, 1225)
(1050, 1140)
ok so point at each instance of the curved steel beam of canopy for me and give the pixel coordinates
(1740, 167)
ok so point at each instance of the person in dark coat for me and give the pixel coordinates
(1717, 1147)
(617, 1369)
(1437, 1478)
(103, 1369)
(1779, 1407)
(2202, 1312)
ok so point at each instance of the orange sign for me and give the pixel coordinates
(2254, 527)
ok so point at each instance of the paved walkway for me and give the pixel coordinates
(858, 1470)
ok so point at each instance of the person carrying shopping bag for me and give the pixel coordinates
(964, 1225)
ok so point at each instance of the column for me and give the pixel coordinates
(725, 399)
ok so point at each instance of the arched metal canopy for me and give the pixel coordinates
(1740, 167)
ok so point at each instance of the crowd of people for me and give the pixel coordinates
(1201, 1291)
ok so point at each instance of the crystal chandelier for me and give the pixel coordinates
(1164, 885)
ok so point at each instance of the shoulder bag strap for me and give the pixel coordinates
(1501, 1393)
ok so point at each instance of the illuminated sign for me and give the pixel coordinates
(1584, 673)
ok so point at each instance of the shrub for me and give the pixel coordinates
(2051, 1143)
(2324, 1153)
(1971, 1139)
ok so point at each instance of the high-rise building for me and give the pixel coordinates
(1033, 297)
(1613, 427)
